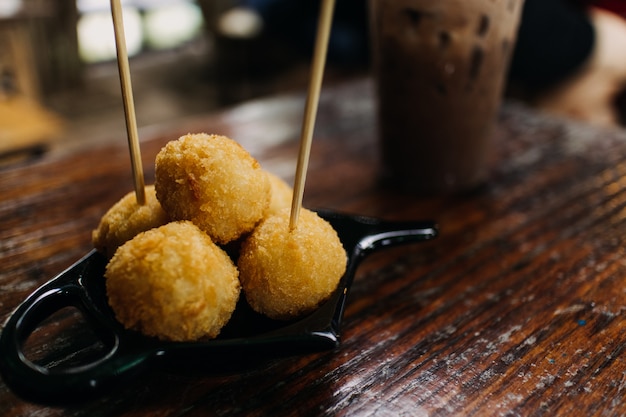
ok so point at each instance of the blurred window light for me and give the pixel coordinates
(86, 6)
(10, 7)
(172, 25)
(240, 22)
(96, 38)
(156, 24)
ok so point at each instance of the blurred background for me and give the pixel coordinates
(59, 79)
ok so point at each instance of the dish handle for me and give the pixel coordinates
(122, 357)
(365, 235)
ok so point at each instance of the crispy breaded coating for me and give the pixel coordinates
(125, 219)
(173, 283)
(281, 194)
(286, 274)
(213, 182)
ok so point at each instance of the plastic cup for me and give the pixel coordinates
(440, 68)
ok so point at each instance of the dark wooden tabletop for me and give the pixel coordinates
(516, 309)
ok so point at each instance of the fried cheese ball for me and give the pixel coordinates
(172, 283)
(125, 219)
(281, 194)
(213, 182)
(286, 274)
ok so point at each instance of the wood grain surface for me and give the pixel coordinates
(517, 309)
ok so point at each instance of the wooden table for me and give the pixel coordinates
(516, 309)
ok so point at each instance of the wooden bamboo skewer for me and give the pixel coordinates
(310, 109)
(129, 106)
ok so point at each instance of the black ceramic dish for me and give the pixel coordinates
(128, 353)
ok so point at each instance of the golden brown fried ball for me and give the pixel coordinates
(125, 219)
(173, 283)
(214, 182)
(286, 274)
(281, 194)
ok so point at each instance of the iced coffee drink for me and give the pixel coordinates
(440, 68)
